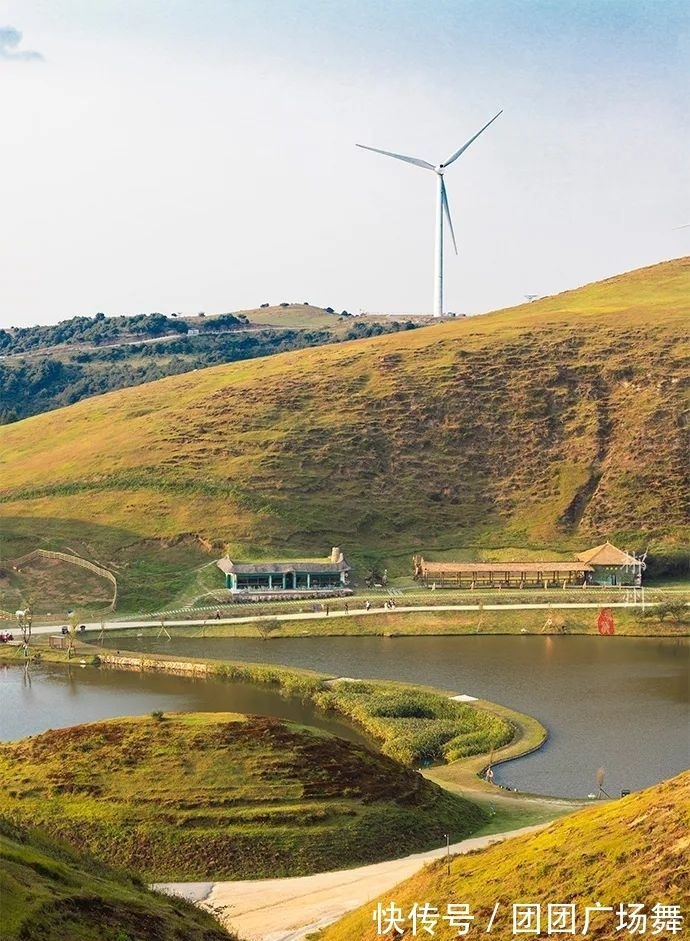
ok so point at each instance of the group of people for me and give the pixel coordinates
(5, 636)
(388, 605)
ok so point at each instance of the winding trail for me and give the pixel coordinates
(290, 909)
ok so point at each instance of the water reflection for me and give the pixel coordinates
(622, 703)
(618, 703)
(53, 696)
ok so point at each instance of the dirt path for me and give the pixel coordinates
(289, 909)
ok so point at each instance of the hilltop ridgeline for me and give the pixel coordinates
(43, 368)
(557, 424)
(207, 796)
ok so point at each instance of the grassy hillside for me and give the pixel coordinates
(549, 426)
(628, 851)
(54, 893)
(221, 796)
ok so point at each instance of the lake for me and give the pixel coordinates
(618, 703)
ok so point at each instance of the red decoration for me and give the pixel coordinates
(605, 621)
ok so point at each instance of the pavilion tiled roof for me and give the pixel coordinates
(280, 568)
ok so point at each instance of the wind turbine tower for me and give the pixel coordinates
(442, 208)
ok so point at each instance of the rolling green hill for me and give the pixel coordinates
(224, 796)
(554, 426)
(52, 892)
(628, 852)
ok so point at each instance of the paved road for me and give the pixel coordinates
(290, 909)
(306, 615)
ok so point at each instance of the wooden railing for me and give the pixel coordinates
(75, 560)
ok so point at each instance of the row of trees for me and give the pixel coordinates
(101, 330)
(40, 383)
(30, 387)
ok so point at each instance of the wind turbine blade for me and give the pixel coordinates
(415, 160)
(446, 209)
(470, 141)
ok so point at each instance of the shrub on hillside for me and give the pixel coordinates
(421, 747)
(675, 608)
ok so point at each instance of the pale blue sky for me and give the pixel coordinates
(188, 155)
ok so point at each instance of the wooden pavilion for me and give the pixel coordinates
(612, 566)
(604, 565)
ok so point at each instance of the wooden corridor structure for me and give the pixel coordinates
(501, 574)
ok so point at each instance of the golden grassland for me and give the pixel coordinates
(547, 427)
(297, 316)
(628, 851)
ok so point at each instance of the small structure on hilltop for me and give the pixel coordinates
(293, 578)
(603, 565)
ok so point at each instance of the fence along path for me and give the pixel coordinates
(74, 560)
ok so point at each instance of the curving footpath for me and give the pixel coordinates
(290, 909)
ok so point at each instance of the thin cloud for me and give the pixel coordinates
(9, 40)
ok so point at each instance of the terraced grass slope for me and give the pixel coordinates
(219, 796)
(556, 424)
(628, 852)
(54, 893)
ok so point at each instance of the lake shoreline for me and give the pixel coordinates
(529, 734)
(293, 670)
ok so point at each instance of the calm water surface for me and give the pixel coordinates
(618, 703)
(50, 696)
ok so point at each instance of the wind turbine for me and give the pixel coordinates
(441, 206)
